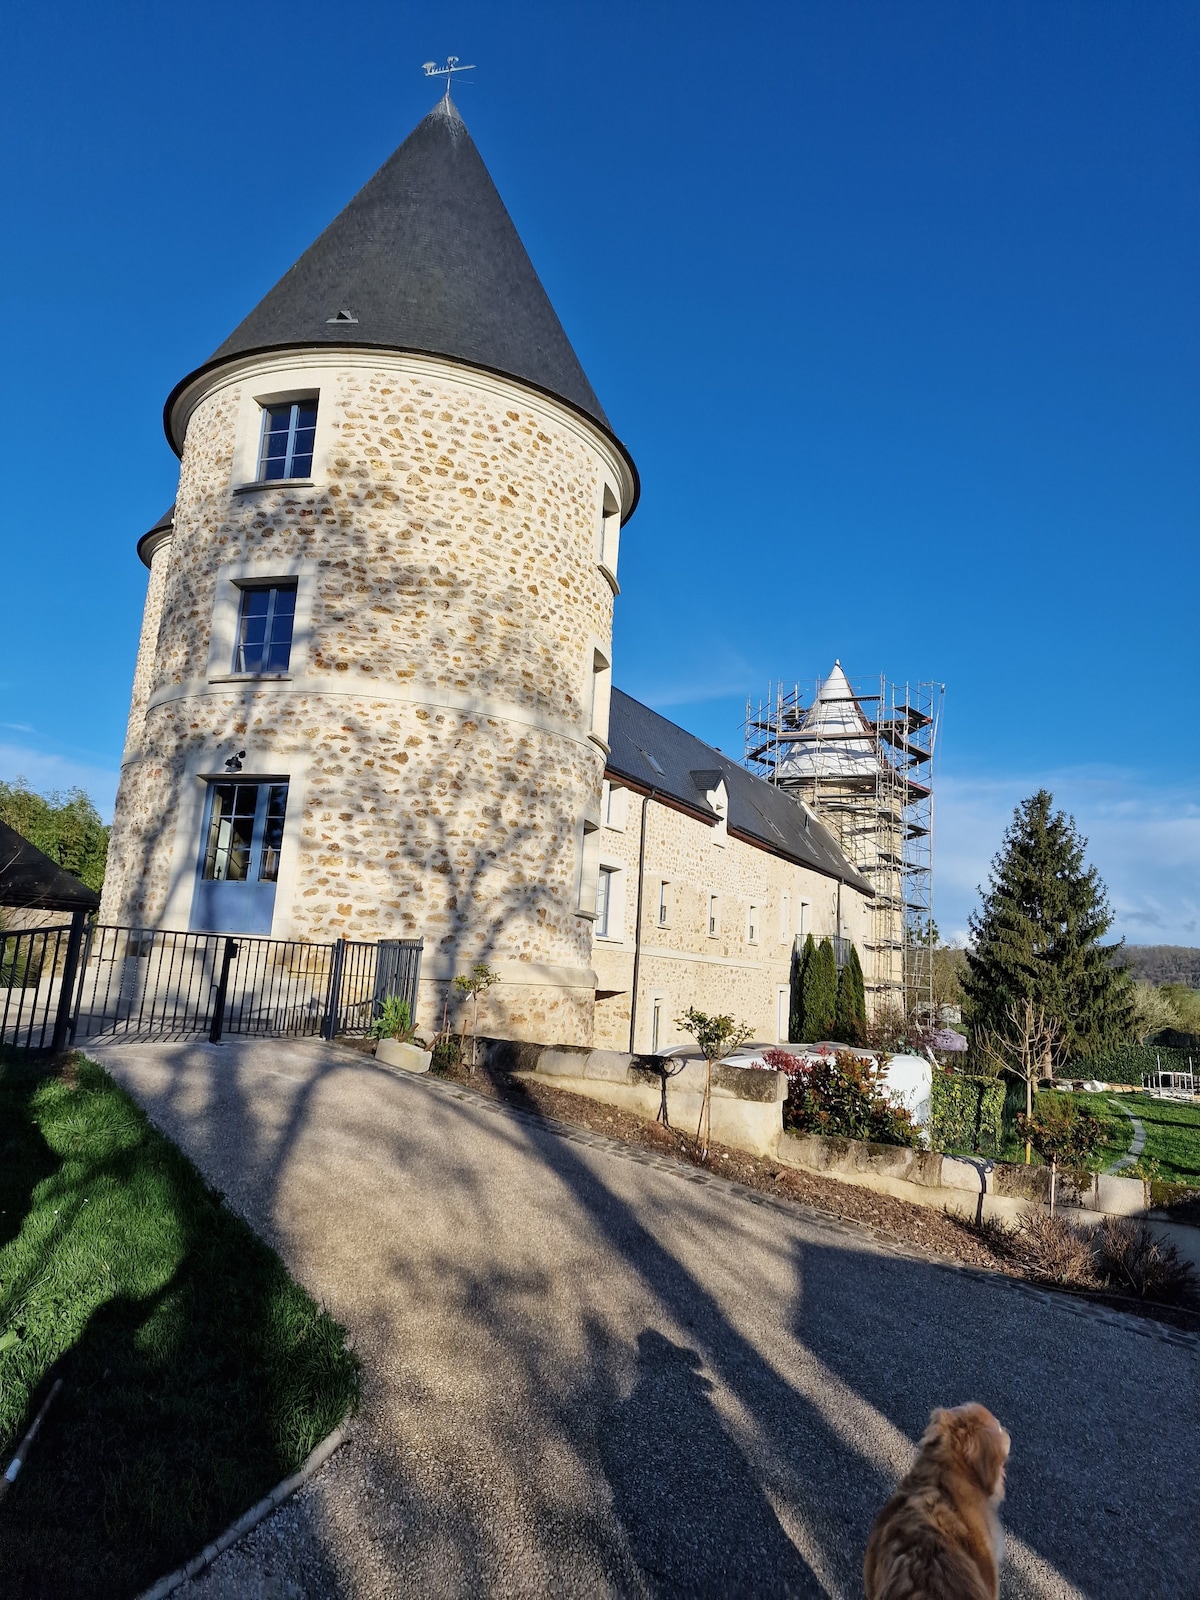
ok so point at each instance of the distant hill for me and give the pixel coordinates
(1164, 963)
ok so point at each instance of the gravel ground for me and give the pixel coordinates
(592, 1370)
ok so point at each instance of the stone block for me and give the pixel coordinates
(1119, 1197)
(609, 1066)
(564, 1061)
(750, 1083)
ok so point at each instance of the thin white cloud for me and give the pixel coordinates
(1143, 838)
(43, 772)
(699, 675)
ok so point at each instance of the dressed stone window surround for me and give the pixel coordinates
(299, 385)
(610, 904)
(609, 537)
(599, 697)
(232, 581)
(285, 375)
(262, 764)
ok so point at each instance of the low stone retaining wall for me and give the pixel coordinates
(747, 1104)
(976, 1187)
(747, 1114)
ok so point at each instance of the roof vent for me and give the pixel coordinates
(342, 316)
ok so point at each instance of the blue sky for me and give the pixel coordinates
(894, 303)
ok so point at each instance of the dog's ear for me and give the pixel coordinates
(940, 1422)
(984, 1445)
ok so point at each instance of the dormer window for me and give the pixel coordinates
(289, 430)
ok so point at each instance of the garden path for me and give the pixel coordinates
(1137, 1145)
(591, 1371)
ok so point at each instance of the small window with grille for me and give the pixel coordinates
(265, 621)
(289, 430)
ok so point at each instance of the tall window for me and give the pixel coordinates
(245, 832)
(664, 911)
(603, 901)
(287, 445)
(752, 925)
(264, 638)
(713, 921)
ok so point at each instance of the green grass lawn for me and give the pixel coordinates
(1172, 1135)
(1118, 1129)
(196, 1373)
(1172, 1132)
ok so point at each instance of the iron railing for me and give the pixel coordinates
(33, 994)
(147, 983)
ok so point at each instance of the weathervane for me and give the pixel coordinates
(432, 70)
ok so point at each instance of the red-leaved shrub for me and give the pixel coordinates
(841, 1094)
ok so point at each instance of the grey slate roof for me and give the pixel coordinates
(656, 754)
(29, 879)
(424, 258)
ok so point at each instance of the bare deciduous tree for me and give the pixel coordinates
(1024, 1050)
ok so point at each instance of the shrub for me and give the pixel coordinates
(841, 1095)
(447, 1052)
(1049, 1247)
(1136, 1262)
(820, 992)
(1128, 1063)
(1062, 1132)
(394, 1020)
(800, 964)
(850, 1020)
(966, 1113)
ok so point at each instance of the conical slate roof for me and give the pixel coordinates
(424, 258)
(828, 743)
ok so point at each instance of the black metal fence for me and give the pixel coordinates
(146, 983)
(35, 1002)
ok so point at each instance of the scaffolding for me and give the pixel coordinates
(861, 756)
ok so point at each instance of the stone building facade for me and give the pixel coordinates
(732, 875)
(372, 689)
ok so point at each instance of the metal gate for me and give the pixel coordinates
(37, 971)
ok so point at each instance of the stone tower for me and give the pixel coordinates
(371, 691)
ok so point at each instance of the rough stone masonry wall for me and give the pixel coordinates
(681, 961)
(437, 739)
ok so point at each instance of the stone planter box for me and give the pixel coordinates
(408, 1057)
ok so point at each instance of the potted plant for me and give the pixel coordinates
(396, 1044)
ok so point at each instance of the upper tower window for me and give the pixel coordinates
(264, 637)
(289, 429)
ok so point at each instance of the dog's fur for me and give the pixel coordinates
(938, 1537)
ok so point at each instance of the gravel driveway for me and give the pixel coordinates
(590, 1371)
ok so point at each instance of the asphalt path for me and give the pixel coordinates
(591, 1371)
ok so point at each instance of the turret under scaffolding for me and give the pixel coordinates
(862, 756)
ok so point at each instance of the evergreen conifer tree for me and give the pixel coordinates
(851, 1020)
(1037, 937)
(820, 993)
(800, 965)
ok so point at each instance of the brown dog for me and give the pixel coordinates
(938, 1537)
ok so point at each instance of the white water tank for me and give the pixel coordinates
(910, 1080)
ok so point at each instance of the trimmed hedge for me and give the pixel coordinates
(1128, 1062)
(966, 1113)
